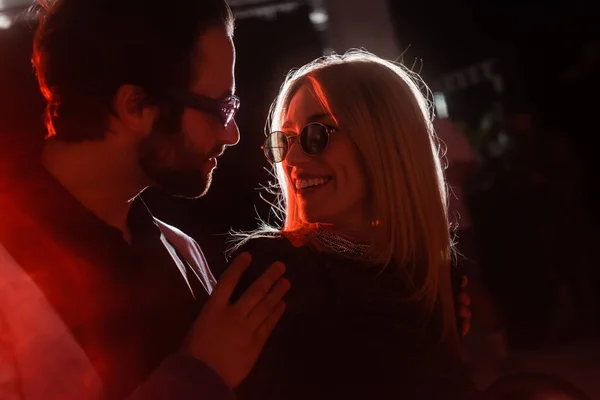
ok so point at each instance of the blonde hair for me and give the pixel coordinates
(381, 107)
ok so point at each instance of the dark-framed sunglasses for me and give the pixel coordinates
(314, 139)
(225, 109)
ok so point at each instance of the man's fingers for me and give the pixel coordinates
(464, 282)
(264, 330)
(464, 299)
(265, 308)
(464, 313)
(230, 278)
(466, 327)
(259, 288)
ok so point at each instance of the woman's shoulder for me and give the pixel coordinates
(276, 246)
(266, 249)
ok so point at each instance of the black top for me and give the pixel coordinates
(128, 306)
(346, 335)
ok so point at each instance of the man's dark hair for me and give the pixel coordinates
(84, 50)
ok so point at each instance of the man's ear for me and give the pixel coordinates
(134, 115)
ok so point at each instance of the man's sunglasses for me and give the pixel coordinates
(314, 138)
(225, 109)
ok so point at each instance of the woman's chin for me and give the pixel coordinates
(315, 218)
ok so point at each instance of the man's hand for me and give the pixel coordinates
(464, 309)
(229, 337)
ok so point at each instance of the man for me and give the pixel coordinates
(138, 93)
(39, 358)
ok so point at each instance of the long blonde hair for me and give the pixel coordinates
(382, 108)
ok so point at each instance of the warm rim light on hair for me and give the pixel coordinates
(318, 91)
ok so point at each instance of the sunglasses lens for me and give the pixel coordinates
(314, 139)
(229, 110)
(276, 147)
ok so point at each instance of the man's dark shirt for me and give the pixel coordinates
(128, 305)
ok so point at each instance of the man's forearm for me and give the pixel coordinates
(183, 377)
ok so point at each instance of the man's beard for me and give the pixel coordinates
(173, 166)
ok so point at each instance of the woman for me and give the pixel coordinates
(365, 240)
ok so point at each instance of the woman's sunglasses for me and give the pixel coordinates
(314, 138)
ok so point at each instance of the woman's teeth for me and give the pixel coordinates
(306, 183)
